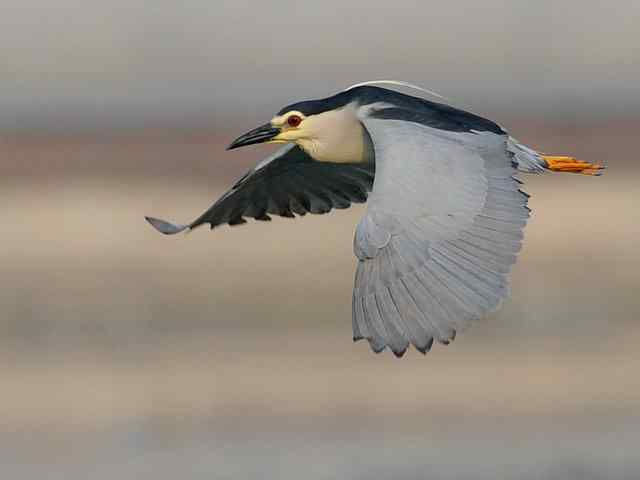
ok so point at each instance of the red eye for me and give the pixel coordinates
(294, 120)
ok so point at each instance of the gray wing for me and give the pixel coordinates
(287, 183)
(442, 229)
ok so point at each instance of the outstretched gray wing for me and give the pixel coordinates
(287, 183)
(442, 229)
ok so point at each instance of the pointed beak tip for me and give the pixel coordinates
(261, 134)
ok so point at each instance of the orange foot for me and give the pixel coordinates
(572, 165)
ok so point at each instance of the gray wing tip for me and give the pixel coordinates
(165, 227)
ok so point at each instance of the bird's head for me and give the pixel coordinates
(327, 129)
(330, 124)
(290, 126)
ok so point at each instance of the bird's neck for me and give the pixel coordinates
(337, 137)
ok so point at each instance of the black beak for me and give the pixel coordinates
(258, 135)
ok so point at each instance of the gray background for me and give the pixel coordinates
(228, 354)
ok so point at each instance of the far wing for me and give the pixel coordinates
(287, 183)
(442, 229)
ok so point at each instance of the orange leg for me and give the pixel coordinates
(572, 165)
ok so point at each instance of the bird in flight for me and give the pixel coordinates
(444, 219)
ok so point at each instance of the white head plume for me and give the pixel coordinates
(399, 83)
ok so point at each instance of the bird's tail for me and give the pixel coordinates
(529, 161)
(572, 165)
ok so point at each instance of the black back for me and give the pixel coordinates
(403, 107)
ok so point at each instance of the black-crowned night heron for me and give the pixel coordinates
(445, 215)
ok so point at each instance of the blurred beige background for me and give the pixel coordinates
(228, 354)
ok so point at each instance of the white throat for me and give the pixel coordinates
(336, 136)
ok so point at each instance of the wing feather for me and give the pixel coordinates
(442, 230)
(288, 183)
